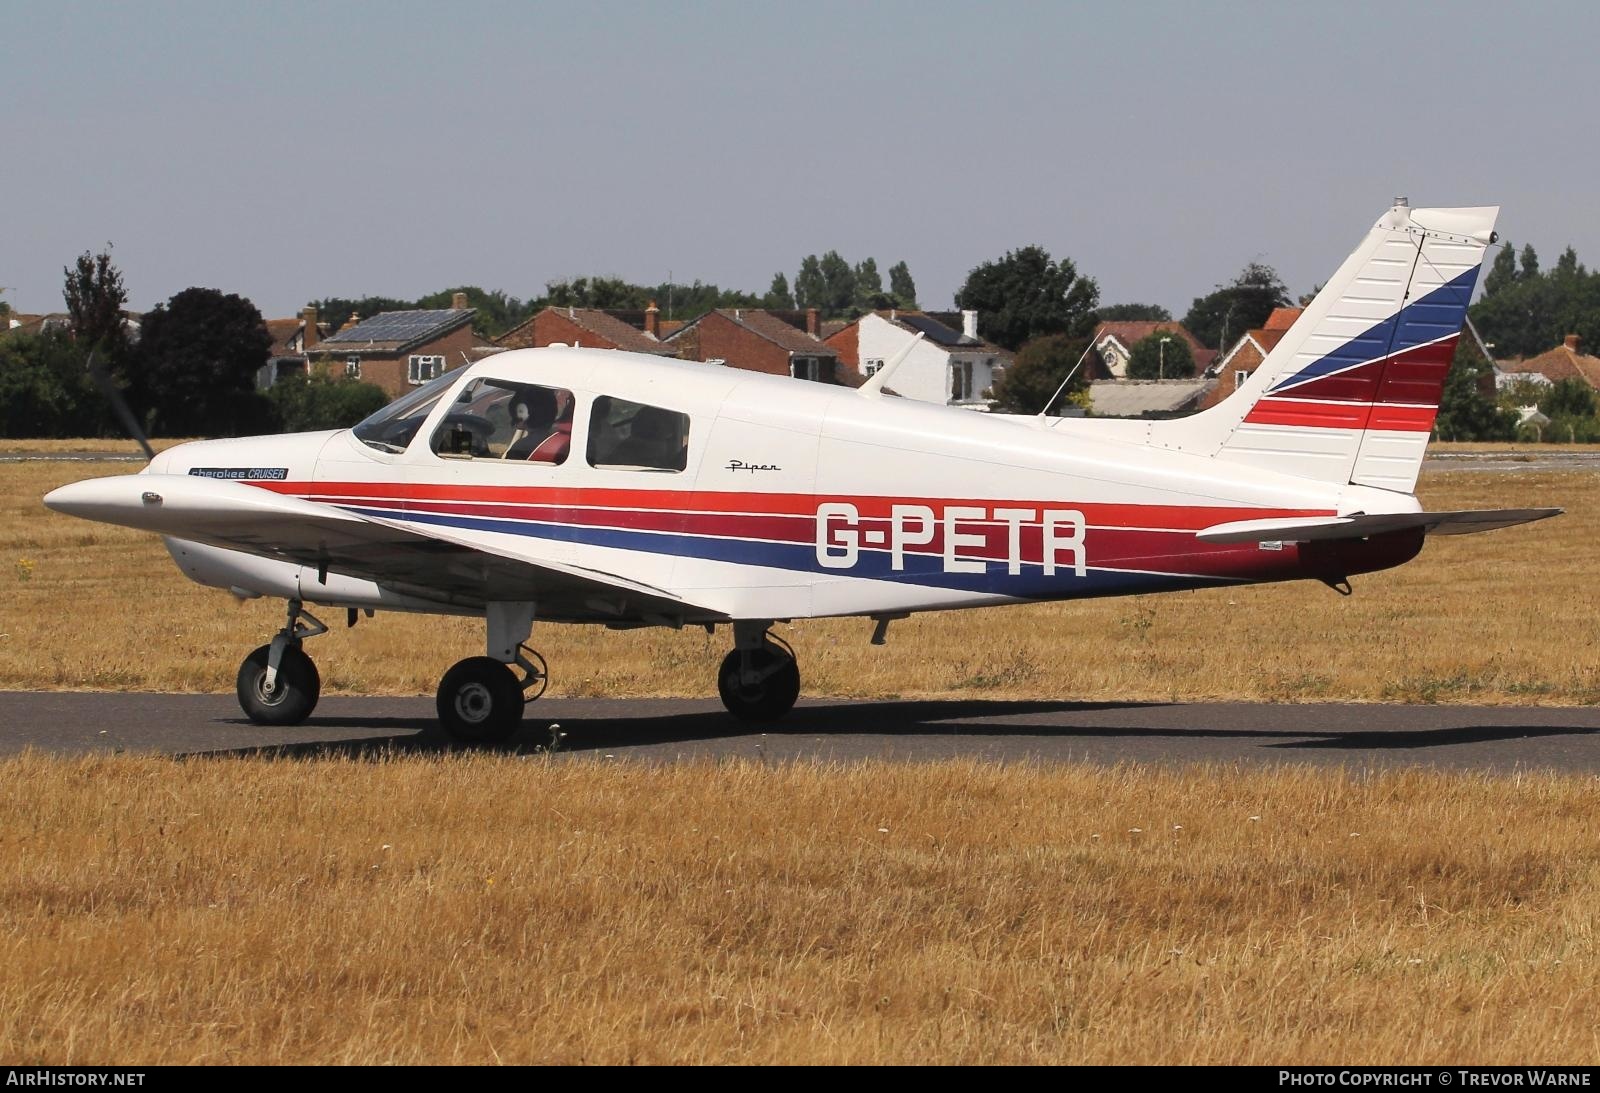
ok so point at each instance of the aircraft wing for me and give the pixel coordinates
(1362, 526)
(430, 563)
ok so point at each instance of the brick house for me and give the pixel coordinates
(1113, 344)
(1247, 354)
(778, 343)
(1566, 361)
(593, 328)
(398, 350)
(292, 339)
(950, 367)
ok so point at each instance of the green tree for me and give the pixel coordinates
(1133, 313)
(838, 285)
(45, 391)
(778, 295)
(1036, 372)
(1502, 272)
(810, 287)
(304, 404)
(869, 293)
(195, 365)
(496, 312)
(95, 297)
(1568, 398)
(1465, 412)
(1525, 312)
(1160, 356)
(338, 309)
(901, 286)
(596, 292)
(1027, 295)
(1245, 303)
(698, 298)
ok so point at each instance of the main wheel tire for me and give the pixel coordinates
(480, 701)
(767, 700)
(291, 700)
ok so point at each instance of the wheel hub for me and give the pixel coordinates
(474, 703)
(269, 695)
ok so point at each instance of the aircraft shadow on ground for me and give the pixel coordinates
(971, 718)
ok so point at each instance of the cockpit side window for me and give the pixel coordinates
(508, 421)
(634, 436)
(392, 428)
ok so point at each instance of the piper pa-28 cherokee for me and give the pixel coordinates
(581, 485)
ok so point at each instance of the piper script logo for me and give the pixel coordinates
(972, 536)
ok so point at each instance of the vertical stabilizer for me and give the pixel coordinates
(1351, 391)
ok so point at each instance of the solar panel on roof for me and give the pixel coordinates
(395, 326)
(937, 332)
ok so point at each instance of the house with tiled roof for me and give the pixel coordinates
(1113, 344)
(778, 343)
(398, 350)
(632, 331)
(1247, 354)
(948, 366)
(1566, 361)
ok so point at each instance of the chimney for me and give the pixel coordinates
(308, 315)
(459, 301)
(355, 317)
(1572, 342)
(812, 326)
(652, 321)
(969, 323)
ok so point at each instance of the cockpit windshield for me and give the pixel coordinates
(392, 428)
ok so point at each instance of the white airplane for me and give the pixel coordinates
(595, 486)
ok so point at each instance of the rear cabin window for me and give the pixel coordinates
(633, 436)
(511, 422)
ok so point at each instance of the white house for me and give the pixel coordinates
(949, 366)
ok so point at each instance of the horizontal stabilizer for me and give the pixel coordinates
(1362, 526)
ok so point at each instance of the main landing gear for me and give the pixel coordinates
(759, 680)
(481, 699)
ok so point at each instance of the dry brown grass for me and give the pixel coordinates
(483, 909)
(1508, 617)
(85, 444)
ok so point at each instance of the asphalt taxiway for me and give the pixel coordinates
(1488, 738)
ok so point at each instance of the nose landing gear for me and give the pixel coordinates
(277, 683)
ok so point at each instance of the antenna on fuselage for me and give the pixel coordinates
(873, 388)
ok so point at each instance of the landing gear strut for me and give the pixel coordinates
(759, 680)
(278, 684)
(481, 699)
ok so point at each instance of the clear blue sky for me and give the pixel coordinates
(288, 151)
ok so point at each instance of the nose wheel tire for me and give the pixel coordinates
(767, 696)
(480, 701)
(290, 700)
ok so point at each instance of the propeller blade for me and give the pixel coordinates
(102, 380)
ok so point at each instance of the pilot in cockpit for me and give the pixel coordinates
(533, 411)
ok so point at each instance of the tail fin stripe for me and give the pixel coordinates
(1436, 315)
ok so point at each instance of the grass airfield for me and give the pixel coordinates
(492, 908)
